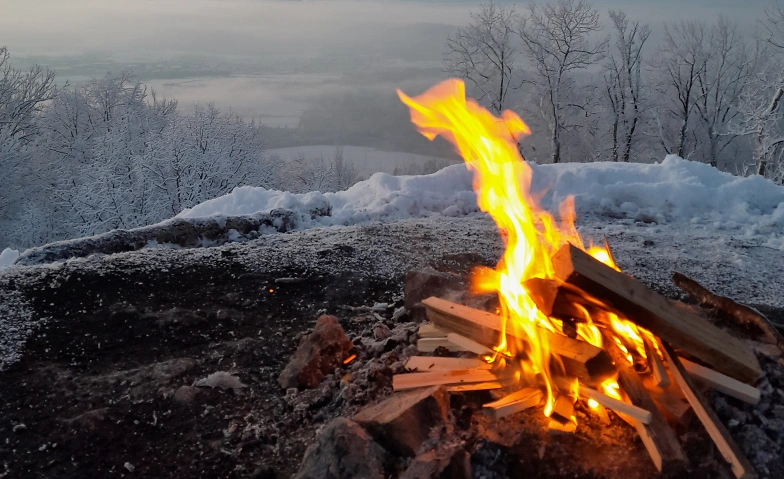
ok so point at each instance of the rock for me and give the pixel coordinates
(129, 466)
(220, 379)
(423, 283)
(404, 421)
(19, 428)
(454, 463)
(343, 449)
(185, 394)
(89, 421)
(318, 354)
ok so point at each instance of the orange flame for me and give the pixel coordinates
(502, 181)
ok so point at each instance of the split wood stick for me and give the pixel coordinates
(660, 440)
(428, 345)
(720, 382)
(527, 399)
(460, 388)
(468, 344)
(740, 313)
(721, 437)
(655, 313)
(670, 401)
(569, 427)
(621, 407)
(655, 364)
(430, 330)
(581, 359)
(511, 398)
(563, 410)
(434, 378)
(430, 363)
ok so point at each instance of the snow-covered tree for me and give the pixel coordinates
(560, 39)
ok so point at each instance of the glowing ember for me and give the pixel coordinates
(502, 181)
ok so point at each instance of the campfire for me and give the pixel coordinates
(570, 326)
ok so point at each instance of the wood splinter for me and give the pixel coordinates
(721, 437)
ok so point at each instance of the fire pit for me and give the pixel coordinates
(570, 325)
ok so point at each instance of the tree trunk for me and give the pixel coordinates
(556, 143)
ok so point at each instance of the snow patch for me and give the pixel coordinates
(674, 190)
(7, 258)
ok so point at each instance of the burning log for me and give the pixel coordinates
(514, 403)
(581, 359)
(620, 407)
(435, 378)
(427, 363)
(721, 437)
(659, 439)
(742, 314)
(468, 344)
(658, 315)
(655, 364)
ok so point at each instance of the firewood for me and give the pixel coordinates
(568, 427)
(721, 437)
(642, 305)
(655, 364)
(740, 313)
(430, 330)
(468, 344)
(428, 345)
(563, 410)
(670, 401)
(513, 403)
(403, 421)
(434, 378)
(720, 382)
(488, 386)
(581, 359)
(659, 439)
(560, 300)
(429, 363)
(621, 407)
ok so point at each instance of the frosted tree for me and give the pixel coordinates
(721, 82)
(559, 39)
(681, 61)
(483, 53)
(23, 94)
(624, 84)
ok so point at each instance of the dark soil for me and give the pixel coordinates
(94, 393)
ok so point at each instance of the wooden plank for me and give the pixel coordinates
(655, 364)
(428, 345)
(721, 437)
(663, 446)
(655, 313)
(563, 410)
(581, 359)
(430, 363)
(720, 382)
(461, 388)
(513, 403)
(468, 344)
(417, 380)
(630, 410)
(430, 330)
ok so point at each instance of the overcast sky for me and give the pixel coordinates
(141, 29)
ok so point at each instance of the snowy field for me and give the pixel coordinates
(366, 160)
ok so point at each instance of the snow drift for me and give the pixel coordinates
(674, 190)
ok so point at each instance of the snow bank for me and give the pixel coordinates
(674, 190)
(7, 258)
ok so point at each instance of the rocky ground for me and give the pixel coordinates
(109, 362)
